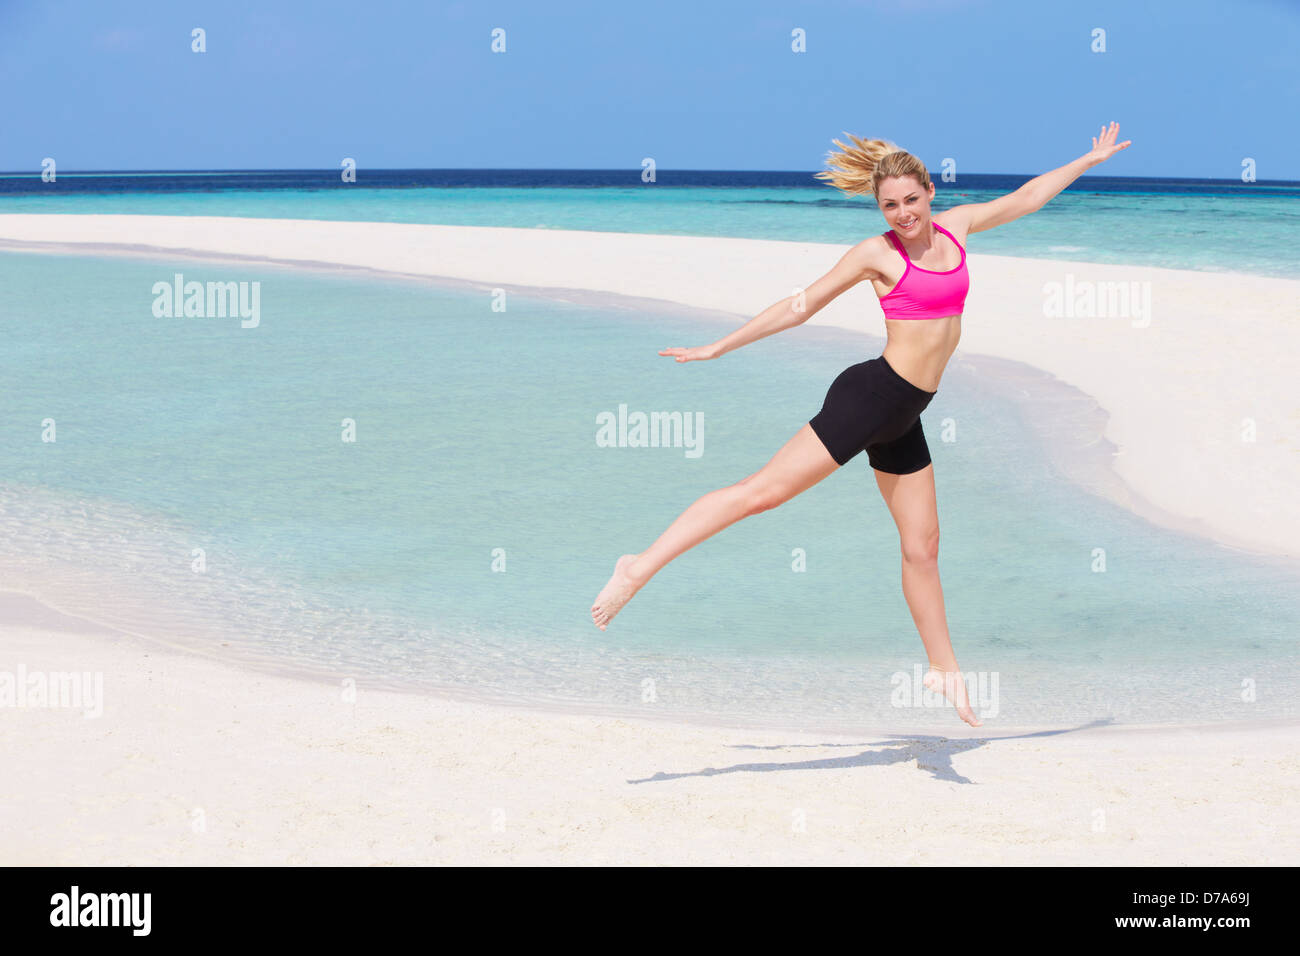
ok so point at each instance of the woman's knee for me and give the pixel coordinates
(758, 495)
(922, 547)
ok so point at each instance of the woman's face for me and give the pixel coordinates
(905, 204)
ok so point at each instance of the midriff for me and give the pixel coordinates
(919, 349)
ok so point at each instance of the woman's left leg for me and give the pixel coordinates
(912, 502)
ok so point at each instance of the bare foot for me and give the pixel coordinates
(950, 684)
(618, 590)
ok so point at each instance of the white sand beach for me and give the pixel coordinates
(197, 762)
(194, 761)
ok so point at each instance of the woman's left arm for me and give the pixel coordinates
(1034, 195)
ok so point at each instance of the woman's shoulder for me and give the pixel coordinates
(874, 254)
(954, 223)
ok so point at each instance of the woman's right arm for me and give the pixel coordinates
(853, 267)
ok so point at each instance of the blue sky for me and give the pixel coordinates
(998, 85)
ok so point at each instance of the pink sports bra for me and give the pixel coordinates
(924, 293)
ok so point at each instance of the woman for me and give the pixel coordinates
(918, 270)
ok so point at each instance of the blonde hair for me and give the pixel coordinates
(859, 170)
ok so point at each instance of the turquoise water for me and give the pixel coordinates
(1214, 233)
(476, 442)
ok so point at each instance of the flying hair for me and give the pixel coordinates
(858, 170)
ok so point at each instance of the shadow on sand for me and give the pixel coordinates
(932, 754)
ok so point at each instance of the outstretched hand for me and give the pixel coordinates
(1104, 146)
(691, 355)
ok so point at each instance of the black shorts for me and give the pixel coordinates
(870, 406)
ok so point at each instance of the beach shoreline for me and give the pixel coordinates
(1070, 424)
(23, 611)
(1071, 431)
(195, 762)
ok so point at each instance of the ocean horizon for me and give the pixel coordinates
(1214, 225)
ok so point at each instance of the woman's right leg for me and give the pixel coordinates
(911, 500)
(801, 463)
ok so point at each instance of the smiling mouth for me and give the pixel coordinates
(906, 225)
